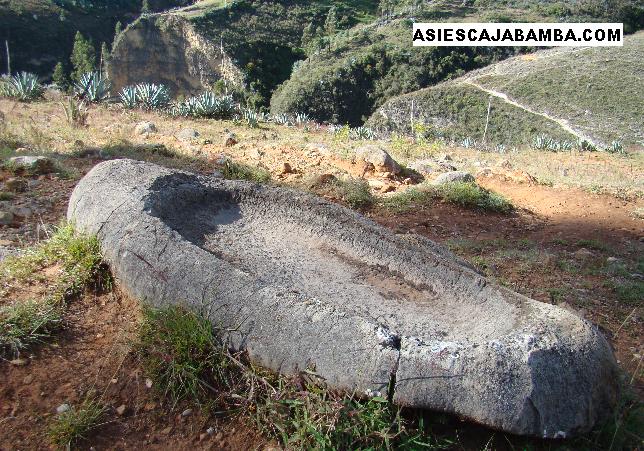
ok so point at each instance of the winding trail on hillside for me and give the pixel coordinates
(562, 122)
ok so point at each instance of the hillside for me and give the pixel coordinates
(587, 93)
(347, 77)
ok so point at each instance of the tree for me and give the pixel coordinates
(118, 29)
(145, 7)
(83, 56)
(331, 22)
(59, 77)
(105, 58)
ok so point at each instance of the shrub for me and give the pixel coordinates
(355, 192)
(24, 87)
(83, 57)
(92, 87)
(239, 171)
(361, 133)
(470, 195)
(26, 323)
(73, 425)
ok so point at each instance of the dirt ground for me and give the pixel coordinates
(565, 246)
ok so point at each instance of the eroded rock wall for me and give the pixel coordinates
(167, 49)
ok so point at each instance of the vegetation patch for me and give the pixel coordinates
(73, 425)
(239, 171)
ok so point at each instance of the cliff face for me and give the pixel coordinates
(168, 50)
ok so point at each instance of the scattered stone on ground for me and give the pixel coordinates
(187, 134)
(454, 177)
(230, 140)
(63, 408)
(379, 158)
(33, 165)
(144, 128)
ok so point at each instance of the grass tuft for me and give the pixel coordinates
(355, 192)
(73, 425)
(238, 171)
(23, 324)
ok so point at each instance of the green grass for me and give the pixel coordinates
(69, 427)
(24, 324)
(466, 195)
(239, 171)
(630, 292)
(355, 192)
(5, 195)
(186, 359)
(592, 244)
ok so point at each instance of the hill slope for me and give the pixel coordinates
(587, 93)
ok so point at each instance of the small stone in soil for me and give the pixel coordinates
(62, 408)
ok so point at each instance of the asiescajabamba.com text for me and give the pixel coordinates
(518, 34)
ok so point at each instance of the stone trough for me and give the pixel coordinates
(301, 283)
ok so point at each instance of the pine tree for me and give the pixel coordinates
(331, 22)
(145, 7)
(118, 29)
(83, 56)
(59, 77)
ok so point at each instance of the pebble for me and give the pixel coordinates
(186, 413)
(210, 430)
(62, 408)
(28, 379)
(120, 410)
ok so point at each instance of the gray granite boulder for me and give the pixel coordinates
(299, 283)
(454, 177)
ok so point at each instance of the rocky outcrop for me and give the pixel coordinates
(300, 283)
(167, 49)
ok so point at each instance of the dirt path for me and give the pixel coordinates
(562, 122)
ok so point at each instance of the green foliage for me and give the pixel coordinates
(75, 112)
(73, 425)
(179, 351)
(59, 77)
(206, 105)
(83, 57)
(26, 323)
(148, 96)
(92, 87)
(544, 142)
(145, 7)
(24, 87)
(239, 171)
(355, 192)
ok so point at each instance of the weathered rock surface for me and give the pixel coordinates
(379, 157)
(187, 134)
(303, 283)
(31, 164)
(145, 127)
(454, 177)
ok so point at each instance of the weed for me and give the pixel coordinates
(592, 244)
(23, 324)
(470, 195)
(73, 425)
(240, 171)
(178, 350)
(557, 294)
(630, 292)
(75, 112)
(5, 195)
(407, 200)
(355, 192)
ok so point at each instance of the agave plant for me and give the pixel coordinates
(362, 133)
(468, 143)
(251, 118)
(302, 118)
(586, 146)
(92, 87)
(282, 119)
(129, 98)
(616, 147)
(23, 87)
(151, 96)
(75, 112)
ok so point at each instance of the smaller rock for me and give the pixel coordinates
(63, 408)
(34, 165)
(22, 212)
(120, 410)
(16, 184)
(230, 140)
(217, 174)
(28, 379)
(148, 382)
(143, 128)
(186, 413)
(33, 184)
(187, 134)
(210, 430)
(379, 157)
(454, 177)
(612, 259)
(6, 218)
(167, 430)
(583, 253)
(423, 167)
(504, 164)
(19, 362)
(286, 168)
